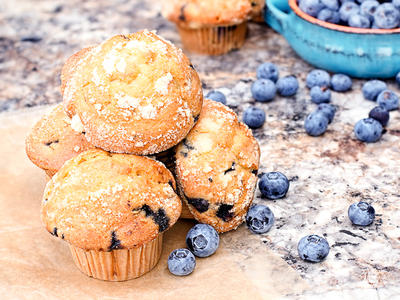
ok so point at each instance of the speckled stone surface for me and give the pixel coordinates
(327, 174)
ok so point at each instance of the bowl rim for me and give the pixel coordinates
(293, 5)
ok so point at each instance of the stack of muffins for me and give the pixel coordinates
(128, 104)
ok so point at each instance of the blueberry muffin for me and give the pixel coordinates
(68, 69)
(52, 141)
(211, 27)
(135, 93)
(112, 209)
(216, 167)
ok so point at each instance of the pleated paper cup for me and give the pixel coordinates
(119, 264)
(215, 40)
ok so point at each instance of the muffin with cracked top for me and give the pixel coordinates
(135, 94)
(212, 27)
(54, 140)
(216, 167)
(112, 209)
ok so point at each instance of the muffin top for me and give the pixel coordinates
(216, 167)
(103, 201)
(52, 141)
(68, 70)
(201, 13)
(135, 93)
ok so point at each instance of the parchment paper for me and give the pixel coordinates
(36, 265)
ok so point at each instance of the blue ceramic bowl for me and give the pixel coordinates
(358, 52)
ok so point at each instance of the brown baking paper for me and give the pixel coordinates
(36, 265)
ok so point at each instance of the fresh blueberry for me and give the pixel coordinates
(359, 21)
(273, 185)
(347, 9)
(388, 100)
(361, 213)
(380, 114)
(372, 88)
(331, 4)
(320, 94)
(398, 79)
(387, 16)
(268, 71)
(216, 96)
(316, 123)
(287, 86)
(259, 218)
(328, 110)
(311, 7)
(254, 117)
(202, 240)
(263, 90)
(330, 16)
(313, 248)
(341, 83)
(368, 9)
(368, 130)
(396, 3)
(181, 262)
(318, 78)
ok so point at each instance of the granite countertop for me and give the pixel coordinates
(327, 174)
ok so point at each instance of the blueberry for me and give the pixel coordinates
(331, 4)
(372, 88)
(398, 79)
(368, 9)
(387, 16)
(388, 100)
(361, 213)
(254, 117)
(359, 21)
(287, 86)
(273, 185)
(263, 90)
(181, 262)
(380, 114)
(259, 218)
(313, 248)
(330, 16)
(316, 123)
(347, 9)
(311, 7)
(202, 240)
(328, 110)
(320, 94)
(216, 96)
(268, 71)
(396, 3)
(318, 78)
(368, 130)
(341, 83)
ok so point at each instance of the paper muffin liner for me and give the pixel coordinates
(213, 40)
(120, 264)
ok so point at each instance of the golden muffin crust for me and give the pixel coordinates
(135, 93)
(52, 141)
(204, 13)
(216, 167)
(67, 71)
(103, 201)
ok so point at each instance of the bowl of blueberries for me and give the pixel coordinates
(360, 38)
